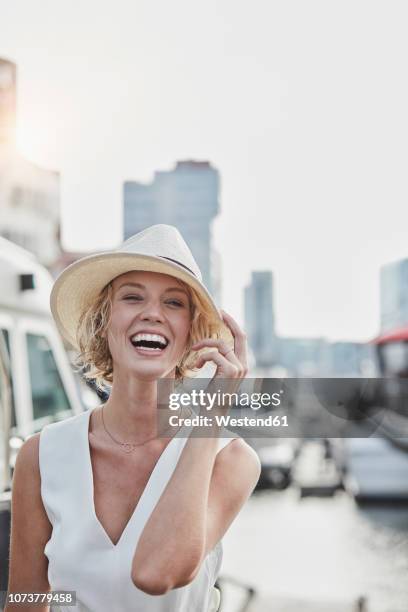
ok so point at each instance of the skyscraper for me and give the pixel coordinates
(29, 195)
(8, 103)
(187, 197)
(394, 294)
(259, 317)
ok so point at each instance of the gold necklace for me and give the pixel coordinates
(129, 447)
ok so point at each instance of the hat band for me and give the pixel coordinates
(178, 263)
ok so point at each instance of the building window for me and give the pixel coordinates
(17, 196)
(5, 334)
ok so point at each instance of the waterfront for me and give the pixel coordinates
(321, 554)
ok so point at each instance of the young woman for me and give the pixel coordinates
(104, 503)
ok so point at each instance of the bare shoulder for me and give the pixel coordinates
(239, 449)
(234, 477)
(27, 482)
(28, 455)
(239, 460)
(27, 469)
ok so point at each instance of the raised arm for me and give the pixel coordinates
(30, 528)
(204, 494)
(198, 505)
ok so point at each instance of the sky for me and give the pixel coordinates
(300, 105)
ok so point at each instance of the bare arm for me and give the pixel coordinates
(198, 505)
(204, 494)
(30, 528)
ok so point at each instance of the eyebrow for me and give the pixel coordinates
(140, 286)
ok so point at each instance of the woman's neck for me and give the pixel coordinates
(138, 409)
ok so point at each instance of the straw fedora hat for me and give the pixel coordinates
(159, 248)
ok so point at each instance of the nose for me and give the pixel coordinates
(152, 311)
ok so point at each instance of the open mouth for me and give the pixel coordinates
(154, 343)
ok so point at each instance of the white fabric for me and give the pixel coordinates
(81, 556)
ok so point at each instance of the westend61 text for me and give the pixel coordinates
(209, 400)
(229, 421)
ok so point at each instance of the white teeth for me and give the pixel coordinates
(149, 348)
(151, 338)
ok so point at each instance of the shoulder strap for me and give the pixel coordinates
(61, 449)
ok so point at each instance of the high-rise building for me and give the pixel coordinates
(8, 103)
(29, 195)
(350, 359)
(187, 197)
(394, 294)
(259, 318)
(303, 356)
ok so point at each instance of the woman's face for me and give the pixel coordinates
(150, 324)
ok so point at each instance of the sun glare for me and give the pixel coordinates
(38, 139)
(35, 143)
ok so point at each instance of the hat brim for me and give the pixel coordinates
(80, 284)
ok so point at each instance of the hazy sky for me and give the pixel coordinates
(301, 105)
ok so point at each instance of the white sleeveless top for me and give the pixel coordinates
(81, 555)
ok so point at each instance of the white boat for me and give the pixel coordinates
(376, 470)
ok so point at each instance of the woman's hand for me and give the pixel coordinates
(231, 362)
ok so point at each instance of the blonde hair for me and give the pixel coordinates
(95, 360)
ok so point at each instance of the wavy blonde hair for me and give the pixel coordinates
(95, 360)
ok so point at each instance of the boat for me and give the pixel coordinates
(376, 470)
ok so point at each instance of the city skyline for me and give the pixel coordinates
(308, 134)
(187, 197)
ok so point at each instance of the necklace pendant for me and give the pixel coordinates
(128, 448)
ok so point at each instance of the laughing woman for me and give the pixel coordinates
(104, 504)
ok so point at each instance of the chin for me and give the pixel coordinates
(151, 371)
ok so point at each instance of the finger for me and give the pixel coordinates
(225, 350)
(226, 367)
(222, 346)
(231, 356)
(240, 340)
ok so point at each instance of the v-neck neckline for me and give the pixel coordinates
(92, 486)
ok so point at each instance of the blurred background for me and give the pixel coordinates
(274, 137)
